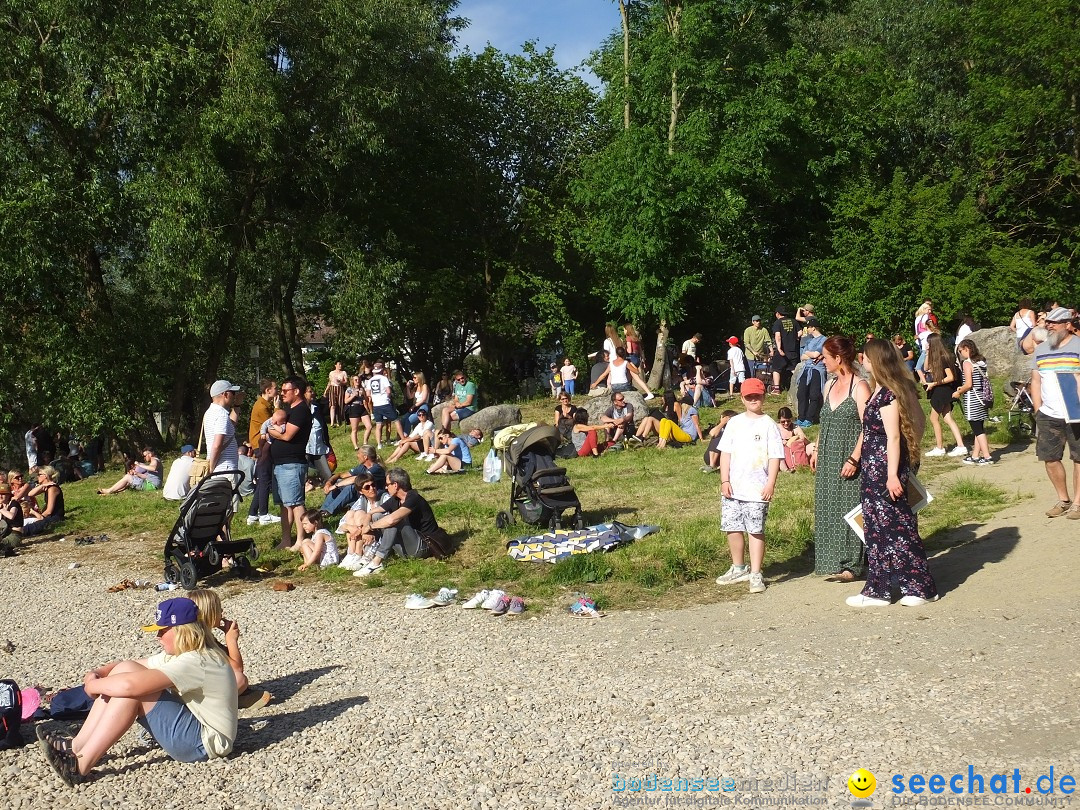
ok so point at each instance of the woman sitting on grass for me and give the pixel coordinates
(185, 696)
(679, 423)
(42, 518)
(584, 435)
(356, 525)
(141, 475)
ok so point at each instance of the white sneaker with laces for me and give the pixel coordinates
(937, 452)
(477, 600)
(916, 601)
(859, 601)
(267, 519)
(368, 570)
(648, 396)
(733, 575)
(351, 562)
(445, 596)
(252, 520)
(958, 452)
(493, 599)
(757, 583)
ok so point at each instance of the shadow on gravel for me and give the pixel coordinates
(286, 688)
(965, 552)
(258, 732)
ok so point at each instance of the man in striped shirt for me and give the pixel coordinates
(1060, 353)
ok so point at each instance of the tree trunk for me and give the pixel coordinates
(176, 398)
(660, 364)
(625, 15)
(673, 17)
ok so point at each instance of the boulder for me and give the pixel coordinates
(1003, 358)
(596, 406)
(492, 418)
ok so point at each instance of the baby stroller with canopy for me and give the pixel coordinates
(200, 539)
(539, 491)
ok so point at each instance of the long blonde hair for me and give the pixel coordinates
(194, 637)
(209, 605)
(889, 371)
(613, 335)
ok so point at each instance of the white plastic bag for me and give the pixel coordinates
(492, 468)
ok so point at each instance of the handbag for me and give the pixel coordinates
(200, 467)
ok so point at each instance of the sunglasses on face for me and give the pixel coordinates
(368, 486)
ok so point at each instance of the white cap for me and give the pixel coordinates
(221, 386)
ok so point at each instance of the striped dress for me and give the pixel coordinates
(974, 407)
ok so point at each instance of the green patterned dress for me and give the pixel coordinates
(836, 547)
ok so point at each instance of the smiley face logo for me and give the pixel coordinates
(861, 783)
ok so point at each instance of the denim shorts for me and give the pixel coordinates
(384, 413)
(463, 413)
(175, 728)
(289, 484)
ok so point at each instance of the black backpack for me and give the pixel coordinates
(10, 715)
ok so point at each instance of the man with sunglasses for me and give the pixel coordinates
(463, 403)
(288, 445)
(618, 419)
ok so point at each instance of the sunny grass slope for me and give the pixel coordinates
(644, 486)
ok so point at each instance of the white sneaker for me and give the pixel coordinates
(252, 520)
(445, 596)
(378, 447)
(648, 396)
(916, 601)
(958, 452)
(858, 600)
(477, 600)
(757, 583)
(368, 570)
(367, 557)
(267, 519)
(733, 575)
(493, 599)
(350, 563)
(937, 452)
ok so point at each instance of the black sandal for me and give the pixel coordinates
(58, 752)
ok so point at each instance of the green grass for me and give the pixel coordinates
(643, 486)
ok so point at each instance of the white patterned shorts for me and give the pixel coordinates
(743, 516)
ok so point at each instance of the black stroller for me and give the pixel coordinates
(539, 491)
(195, 547)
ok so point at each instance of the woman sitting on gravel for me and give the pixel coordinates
(141, 475)
(185, 696)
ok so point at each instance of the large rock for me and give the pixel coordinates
(1003, 358)
(492, 418)
(596, 406)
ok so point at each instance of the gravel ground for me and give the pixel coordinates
(379, 707)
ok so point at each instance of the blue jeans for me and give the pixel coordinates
(339, 499)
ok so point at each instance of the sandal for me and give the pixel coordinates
(585, 608)
(841, 576)
(57, 750)
(123, 585)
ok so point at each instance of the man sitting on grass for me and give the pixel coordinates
(409, 527)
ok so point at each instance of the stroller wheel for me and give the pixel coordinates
(502, 520)
(579, 521)
(213, 556)
(189, 575)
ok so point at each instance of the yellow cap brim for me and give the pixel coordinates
(153, 628)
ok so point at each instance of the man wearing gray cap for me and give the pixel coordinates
(758, 345)
(1058, 354)
(219, 430)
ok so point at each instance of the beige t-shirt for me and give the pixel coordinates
(206, 685)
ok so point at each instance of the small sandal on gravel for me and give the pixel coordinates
(57, 750)
(122, 585)
(842, 576)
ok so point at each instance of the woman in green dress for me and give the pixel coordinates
(838, 552)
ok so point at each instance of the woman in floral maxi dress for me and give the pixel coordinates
(893, 425)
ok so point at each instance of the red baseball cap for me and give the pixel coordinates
(752, 386)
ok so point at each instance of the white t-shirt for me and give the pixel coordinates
(379, 388)
(689, 347)
(420, 428)
(736, 359)
(962, 332)
(569, 372)
(206, 685)
(618, 373)
(218, 423)
(177, 482)
(1050, 362)
(751, 442)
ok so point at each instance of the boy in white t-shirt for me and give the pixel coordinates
(750, 453)
(737, 363)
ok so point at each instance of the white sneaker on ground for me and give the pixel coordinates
(267, 519)
(733, 575)
(915, 601)
(351, 562)
(958, 452)
(368, 570)
(937, 452)
(757, 583)
(493, 599)
(477, 600)
(648, 396)
(445, 596)
(378, 446)
(858, 600)
(252, 520)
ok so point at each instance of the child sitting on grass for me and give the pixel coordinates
(750, 454)
(211, 617)
(318, 546)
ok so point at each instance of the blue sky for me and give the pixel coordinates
(574, 27)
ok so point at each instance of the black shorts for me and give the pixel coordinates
(781, 363)
(354, 410)
(941, 399)
(1053, 435)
